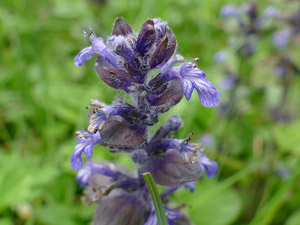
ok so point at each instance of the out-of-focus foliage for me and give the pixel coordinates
(43, 95)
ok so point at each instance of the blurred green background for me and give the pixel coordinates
(43, 98)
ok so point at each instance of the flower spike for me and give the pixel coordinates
(125, 62)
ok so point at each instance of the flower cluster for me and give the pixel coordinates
(250, 23)
(124, 63)
(250, 27)
(282, 37)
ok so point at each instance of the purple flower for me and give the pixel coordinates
(124, 208)
(284, 173)
(126, 59)
(285, 66)
(229, 82)
(191, 78)
(235, 12)
(172, 124)
(85, 144)
(281, 38)
(120, 135)
(100, 179)
(194, 78)
(248, 48)
(175, 161)
(170, 169)
(271, 12)
(100, 116)
(230, 10)
(122, 194)
(115, 76)
(280, 70)
(164, 95)
(91, 168)
(189, 152)
(180, 163)
(98, 47)
(208, 140)
(220, 56)
(207, 165)
(251, 25)
(114, 123)
(139, 156)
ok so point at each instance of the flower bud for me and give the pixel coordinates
(113, 76)
(146, 37)
(166, 95)
(121, 27)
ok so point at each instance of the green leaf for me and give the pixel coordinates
(21, 178)
(288, 136)
(293, 219)
(266, 215)
(57, 214)
(220, 208)
(215, 203)
(6, 221)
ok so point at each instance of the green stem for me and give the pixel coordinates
(158, 205)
